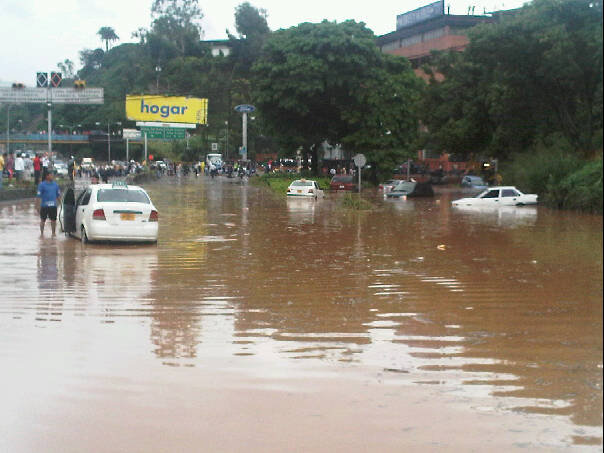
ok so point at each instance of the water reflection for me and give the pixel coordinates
(301, 211)
(504, 307)
(506, 216)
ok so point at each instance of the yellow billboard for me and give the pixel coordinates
(164, 109)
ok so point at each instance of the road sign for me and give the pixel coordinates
(52, 95)
(164, 133)
(42, 79)
(359, 160)
(245, 108)
(132, 134)
(214, 146)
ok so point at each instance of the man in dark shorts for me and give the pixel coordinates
(48, 194)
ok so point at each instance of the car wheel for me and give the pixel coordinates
(519, 204)
(83, 236)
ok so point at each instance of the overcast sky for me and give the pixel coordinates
(37, 34)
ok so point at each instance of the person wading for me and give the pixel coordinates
(48, 194)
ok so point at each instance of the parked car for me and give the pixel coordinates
(411, 189)
(387, 186)
(473, 182)
(342, 182)
(109, 212)
(60, 168)
(304, 188)
(498, 196)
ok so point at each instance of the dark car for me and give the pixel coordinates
(411, 189)
(342, 182)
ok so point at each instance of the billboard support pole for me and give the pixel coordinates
(146, 163)
(127, 142)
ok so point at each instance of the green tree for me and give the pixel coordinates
(107, 34)
(536, 73)
(177, 22)
(329, 82)
(67, 68)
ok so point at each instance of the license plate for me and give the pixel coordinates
(299, 191)
(126, 216)
(341, 187)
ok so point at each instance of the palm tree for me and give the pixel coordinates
(107, 34)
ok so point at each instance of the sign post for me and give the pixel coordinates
(359, 161)
(244, 109)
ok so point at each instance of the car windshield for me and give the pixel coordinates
(122, 196)
(405, 186)
(302, 183)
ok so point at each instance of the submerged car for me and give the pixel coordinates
(498, 196)
(411, 189)
(342, 182)
(387, 186)
(304, 188)
(109, 212)
(473, 182)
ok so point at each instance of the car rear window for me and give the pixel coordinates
(342, 179)
(302, 183)
(122, 196)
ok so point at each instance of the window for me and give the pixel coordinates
(122, 196)
(509, 193)
(491, 194)
(84, 198)
(302, 183)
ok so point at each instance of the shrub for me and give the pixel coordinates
(581, 190)
(355, 202)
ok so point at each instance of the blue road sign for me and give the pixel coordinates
(245, 108)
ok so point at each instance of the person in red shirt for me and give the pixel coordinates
(37, 168)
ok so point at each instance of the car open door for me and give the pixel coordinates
(68, 211)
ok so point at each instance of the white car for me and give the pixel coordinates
(498, 196)
(304, 188)
(109, 212)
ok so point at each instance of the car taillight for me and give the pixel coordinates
(288, 189)
(154, 216)
(98, 214)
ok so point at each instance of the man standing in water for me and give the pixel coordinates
(48, 194)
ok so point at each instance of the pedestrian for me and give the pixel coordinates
(1, 169)
(10, 165)
(45, 162)
(19, 167)
(37, 169)
(48, 195)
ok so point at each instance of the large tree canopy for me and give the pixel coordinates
(329, 81)
(536, 73)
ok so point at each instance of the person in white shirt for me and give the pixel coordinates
(45, 162)
(19, 167)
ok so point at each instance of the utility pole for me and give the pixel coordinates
(49, 128)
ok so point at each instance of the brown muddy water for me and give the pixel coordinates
(264, 324)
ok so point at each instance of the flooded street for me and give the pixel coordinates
(259, 323)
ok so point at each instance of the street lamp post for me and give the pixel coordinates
(119, 123)
(157, 72)
(227, 140)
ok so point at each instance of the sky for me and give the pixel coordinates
(36, 34)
